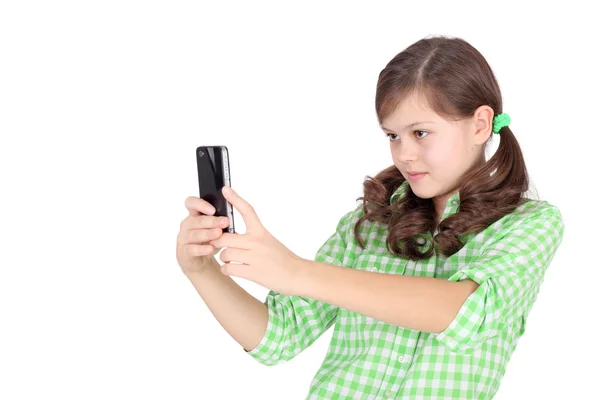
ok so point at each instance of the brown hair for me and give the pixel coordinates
(455, 79)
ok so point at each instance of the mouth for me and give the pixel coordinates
(415, 176)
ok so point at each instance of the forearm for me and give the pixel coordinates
(242, 315)
(420, 303)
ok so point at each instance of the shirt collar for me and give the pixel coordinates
(451, 204)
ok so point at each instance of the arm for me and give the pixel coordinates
(510, 272)
(476, 303)
(295, 322)
(243, 316)
(272, 331)
(415, 302)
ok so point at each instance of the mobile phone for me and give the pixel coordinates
(213, 174)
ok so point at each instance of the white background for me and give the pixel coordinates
(102, 105)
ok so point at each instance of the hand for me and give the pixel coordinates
(263, 259)
(196, 230)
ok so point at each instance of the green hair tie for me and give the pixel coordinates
(499, 122)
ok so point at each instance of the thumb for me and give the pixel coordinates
(239, 270)
(251, 220)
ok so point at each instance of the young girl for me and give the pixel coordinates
(454, 252)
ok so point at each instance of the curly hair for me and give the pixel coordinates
(455, 79)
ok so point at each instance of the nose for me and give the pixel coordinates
(406, 152)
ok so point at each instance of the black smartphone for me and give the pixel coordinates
(213, 174)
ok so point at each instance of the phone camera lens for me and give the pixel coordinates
(200, 153)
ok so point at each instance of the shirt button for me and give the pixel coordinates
(389, 395)
(454, 202)
(449, 339)
(403, 359)
(373, 269)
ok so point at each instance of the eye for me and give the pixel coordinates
(389, 135)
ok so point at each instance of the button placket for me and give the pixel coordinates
(392, 368)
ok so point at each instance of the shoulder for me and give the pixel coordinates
(536, 210)
(532, 215)
(349, 219)
(347, 223)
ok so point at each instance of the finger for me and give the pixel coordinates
(203, 222)
(235, 255)
(208, 221)
(239, 270)
(233, 240)
(195, 250)
(203, 236)
(250, 218)
(196, 206)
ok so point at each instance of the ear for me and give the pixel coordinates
(483, 118)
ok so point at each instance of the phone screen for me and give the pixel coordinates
(213, 174)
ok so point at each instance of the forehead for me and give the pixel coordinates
(412, 109)
(414, 102)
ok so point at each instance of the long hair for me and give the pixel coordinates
(455, 79)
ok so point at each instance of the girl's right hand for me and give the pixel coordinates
(196, 231)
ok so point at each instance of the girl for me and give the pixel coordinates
(429, 281)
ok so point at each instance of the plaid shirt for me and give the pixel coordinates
(370, 359)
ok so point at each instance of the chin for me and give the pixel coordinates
(422, 192)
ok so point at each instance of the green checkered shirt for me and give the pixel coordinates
(370, 359)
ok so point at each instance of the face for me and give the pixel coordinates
(442, 150)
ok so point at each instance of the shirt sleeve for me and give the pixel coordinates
(296, 322)
(509, 272)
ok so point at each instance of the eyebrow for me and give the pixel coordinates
(409, 125)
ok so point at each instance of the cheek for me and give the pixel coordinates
(443, 164)
(440, 159)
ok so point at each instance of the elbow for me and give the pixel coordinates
(266, 359)
(272, 362)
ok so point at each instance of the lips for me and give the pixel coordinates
(415, 176)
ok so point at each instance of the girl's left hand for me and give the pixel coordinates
(264, 259)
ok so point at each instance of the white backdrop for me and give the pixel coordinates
(102, 105)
